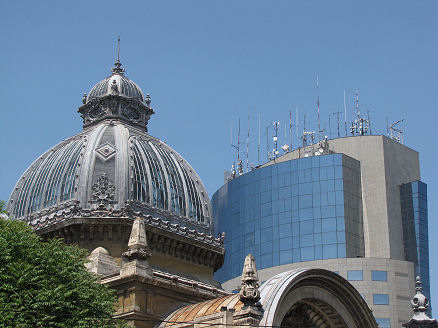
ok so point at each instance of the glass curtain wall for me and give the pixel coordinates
(300, 210)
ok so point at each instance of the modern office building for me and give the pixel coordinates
(353, 205)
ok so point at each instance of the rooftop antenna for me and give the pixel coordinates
(239, 162)
(290, 128)
(297, 121)
(387, 127)
(307, 133)
(247, 146)
(369, 121)
(276, 126)
(258, 145)
(286, 146)
(267, 142)
(317, 102)
(345, 116)
(395, 133)
(337, 116)
(304, 132)
(357, 103)
(330, 128)
(360, 125)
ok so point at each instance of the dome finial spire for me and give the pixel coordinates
(118, 69)
(118, 49)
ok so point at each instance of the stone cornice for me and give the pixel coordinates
(170, 281)
(71, 211)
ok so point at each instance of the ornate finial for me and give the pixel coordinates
(138, 245)
(118, 65)
(418, 287)
(222, 237)
(249, 289)
(148, 99)
(118, 49)
(84, 98)
(419, 304)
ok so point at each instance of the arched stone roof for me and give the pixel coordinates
(326, 293)
(316, 296)
(194, 311)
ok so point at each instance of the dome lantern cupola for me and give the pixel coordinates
(116, 97)
(113, 164)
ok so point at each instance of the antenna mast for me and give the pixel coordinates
(290, 128)
(345, 116)
(317, 103)
(267, 143)
(239, 161)
(330, 127)
(247, 146)
(395, 133)
(307, 133)
(258, 145)
(360, 126)
(275, 151)
(369, 121)
(297, 121)
(337, 116)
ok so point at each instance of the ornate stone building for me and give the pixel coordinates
(90, 188)
(145, 217)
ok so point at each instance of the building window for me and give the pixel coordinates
(355, 275)
(380, 299)
(379, 275)
(384, 322)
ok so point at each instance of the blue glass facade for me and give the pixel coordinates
(413, 197)
(299, 210)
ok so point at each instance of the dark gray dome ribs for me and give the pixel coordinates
(50, 180)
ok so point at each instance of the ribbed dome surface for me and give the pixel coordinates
(116, 84)
(113, 162)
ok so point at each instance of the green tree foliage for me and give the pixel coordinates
(3, 207)
(45, 284)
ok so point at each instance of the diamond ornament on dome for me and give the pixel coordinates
(106, 151)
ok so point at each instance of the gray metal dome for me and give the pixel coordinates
(112, 163)
(119, 83)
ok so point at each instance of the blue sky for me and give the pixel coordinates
(206, 63)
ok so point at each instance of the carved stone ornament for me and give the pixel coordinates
(249, 289)
(131, 113)
(103, 190)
